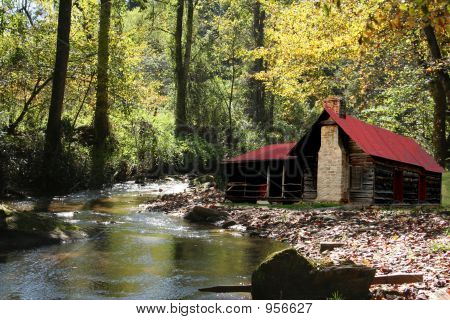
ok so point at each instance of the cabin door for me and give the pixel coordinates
(398, 185)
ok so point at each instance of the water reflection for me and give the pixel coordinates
(142, 255)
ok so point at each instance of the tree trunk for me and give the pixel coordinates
(100, 151)
(182, 63)
(440, 107)
(53, 133)
(436, 54)
(257, 90)
(440, 89)
(189, 35)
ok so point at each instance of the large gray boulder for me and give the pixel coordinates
(288, 275)
(202, 214)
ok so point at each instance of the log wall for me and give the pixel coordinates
(310, 176)
(383, 188)
(384, 184)
(361, 174)
(433, 188)
(410, 187)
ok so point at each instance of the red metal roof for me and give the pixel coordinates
(270, 152)
(385, 144)
(373, 140)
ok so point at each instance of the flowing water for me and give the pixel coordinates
(131, 253)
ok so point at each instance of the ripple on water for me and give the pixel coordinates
(131, 253)
(68, 214)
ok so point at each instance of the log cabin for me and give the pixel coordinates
(340, 160)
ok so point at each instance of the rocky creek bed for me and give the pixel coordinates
(410, 240)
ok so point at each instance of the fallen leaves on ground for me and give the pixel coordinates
(390, 240)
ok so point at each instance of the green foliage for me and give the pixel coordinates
(440, 247)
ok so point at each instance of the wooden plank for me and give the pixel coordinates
(330, 245)
(398, 278)
(224, 289)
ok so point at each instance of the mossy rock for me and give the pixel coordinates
(202, 214)
(287, 275)
(36, 222)
(282, 275)
(21, 230)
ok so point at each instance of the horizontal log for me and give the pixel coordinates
(330, 246)
(359, 194)
(398, 278)
(225, 289)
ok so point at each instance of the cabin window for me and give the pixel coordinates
(356, 177)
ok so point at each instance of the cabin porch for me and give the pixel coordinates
(271, 180)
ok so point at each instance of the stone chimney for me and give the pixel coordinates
(337, 104)
(332, 171)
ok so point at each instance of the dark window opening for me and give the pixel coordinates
(356, 177)
(398, 185)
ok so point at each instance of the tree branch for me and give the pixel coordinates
(36, 90)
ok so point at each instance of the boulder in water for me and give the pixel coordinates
(202, 214)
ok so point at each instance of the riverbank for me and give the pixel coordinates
(410, 240)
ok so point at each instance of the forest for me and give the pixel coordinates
(94, 92)
(120, 121)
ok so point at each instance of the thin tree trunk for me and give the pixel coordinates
(189, 36)
(101, 122)
(53, 133)
(180, 112)
(182, 63)
(86, 94)
(230, 105)
(83, 101)
(36, 90)
(257, 88)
